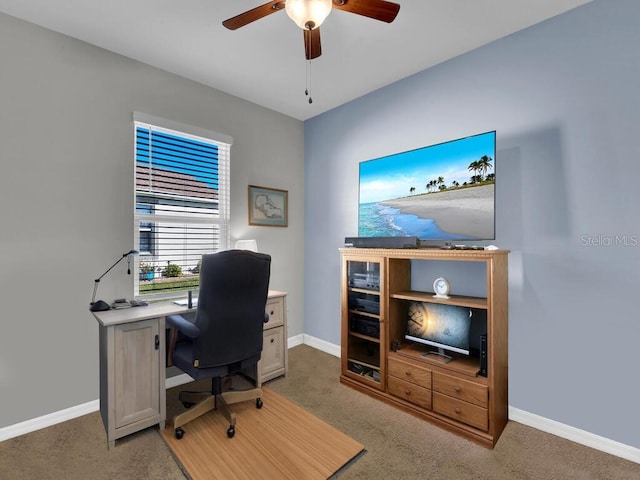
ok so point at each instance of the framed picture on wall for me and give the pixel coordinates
(268, 206)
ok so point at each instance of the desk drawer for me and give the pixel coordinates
(272, 361)
(410, 392)
(275, 309)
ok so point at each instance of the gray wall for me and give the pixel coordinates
(563, 98)
(66, 200)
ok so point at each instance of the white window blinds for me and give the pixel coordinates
(182, 206)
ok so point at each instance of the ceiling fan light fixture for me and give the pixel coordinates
(308, 14)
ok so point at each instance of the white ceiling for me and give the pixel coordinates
(264, 63)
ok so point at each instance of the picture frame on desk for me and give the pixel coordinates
(268, 206)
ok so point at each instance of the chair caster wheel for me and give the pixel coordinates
(258, 403)
(187, 404)
(179, 433)
(231, 431)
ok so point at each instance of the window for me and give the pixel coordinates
(182, 203)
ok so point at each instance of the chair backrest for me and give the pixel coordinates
(234, 285)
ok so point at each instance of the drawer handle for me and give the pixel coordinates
(407, 373)
(458, 410)
(273, 340)
(407, 392)
(457, 389)
(272, 312)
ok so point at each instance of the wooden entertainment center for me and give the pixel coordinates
(377, 291)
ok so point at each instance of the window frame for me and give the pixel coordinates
(223, 143)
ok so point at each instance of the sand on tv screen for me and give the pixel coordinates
(439, 192)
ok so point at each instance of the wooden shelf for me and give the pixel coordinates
(364, 314)
(467, 366)
(459, 300)
(364, 337)
(365, 364)
(364, 290)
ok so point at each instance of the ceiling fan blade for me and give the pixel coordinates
(376, 9)
(253, 14)
(312, 47)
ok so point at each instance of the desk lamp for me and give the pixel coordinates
(101, 305)
(247, 245)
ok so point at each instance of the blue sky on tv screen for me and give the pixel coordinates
(392, 177)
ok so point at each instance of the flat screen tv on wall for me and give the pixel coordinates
(440, 193)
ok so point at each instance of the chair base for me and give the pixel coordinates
(204, 402)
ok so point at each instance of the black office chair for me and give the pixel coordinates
(226, 337)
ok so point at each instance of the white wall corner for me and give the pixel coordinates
(295, 341)
(323, 346)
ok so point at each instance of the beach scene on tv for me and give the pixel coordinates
(440, 192)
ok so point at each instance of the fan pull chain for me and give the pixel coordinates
(308, 88)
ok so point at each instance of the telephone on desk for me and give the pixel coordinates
(120, 303)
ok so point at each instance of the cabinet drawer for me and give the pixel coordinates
(410, 392)
(272, 361)
(410, 373)
(461, 389)
(276, 313)
(461, 411)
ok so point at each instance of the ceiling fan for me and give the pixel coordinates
(309, 14)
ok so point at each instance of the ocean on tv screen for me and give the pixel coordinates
(462, 214)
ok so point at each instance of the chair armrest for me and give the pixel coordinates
(183, 325)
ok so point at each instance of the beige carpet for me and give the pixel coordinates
(279, 441)
(398, 445)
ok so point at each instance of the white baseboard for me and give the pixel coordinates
(540, 423)
(575, 434)
(295, 341)
(326, 347)
(48, 420)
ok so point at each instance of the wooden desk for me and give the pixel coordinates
(132, 362)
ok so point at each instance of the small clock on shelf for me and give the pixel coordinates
(441, 287)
